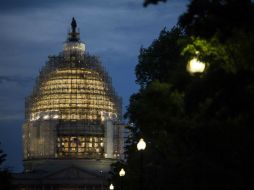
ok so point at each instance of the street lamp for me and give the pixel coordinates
(141, 146)
(195, 66)
(111, 187)
(122, 174)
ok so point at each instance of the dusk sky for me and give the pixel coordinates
(31, 30)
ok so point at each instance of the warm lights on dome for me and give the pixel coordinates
(71, 100)
(76, 94)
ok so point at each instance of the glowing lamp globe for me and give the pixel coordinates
(111, 187)
(122, 172)
(141, 145)
(195, 66)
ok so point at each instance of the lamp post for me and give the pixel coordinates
(141, 146)
(111, 187)
(122, 174)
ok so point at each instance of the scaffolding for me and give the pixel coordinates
(72, 88)
(64, 115)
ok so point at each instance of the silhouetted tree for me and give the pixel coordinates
(5, 176)
(147, 2)
(198, 128)
(204, 18)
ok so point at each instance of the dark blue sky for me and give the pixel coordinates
(31, 30)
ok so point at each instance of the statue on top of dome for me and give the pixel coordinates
(73, 25)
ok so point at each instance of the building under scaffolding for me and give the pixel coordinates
(72, 119)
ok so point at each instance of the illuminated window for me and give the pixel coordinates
(81, 146)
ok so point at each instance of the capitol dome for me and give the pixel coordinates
(73, 111)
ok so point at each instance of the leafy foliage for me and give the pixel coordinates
(147, 2)
(161, 60)
(198, 128)
(2, 157)
(204, 18)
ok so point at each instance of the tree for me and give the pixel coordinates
(161, 60)
(198, 128)
(5, 176)
(147, 2)
(204, 18)
(157, 109)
